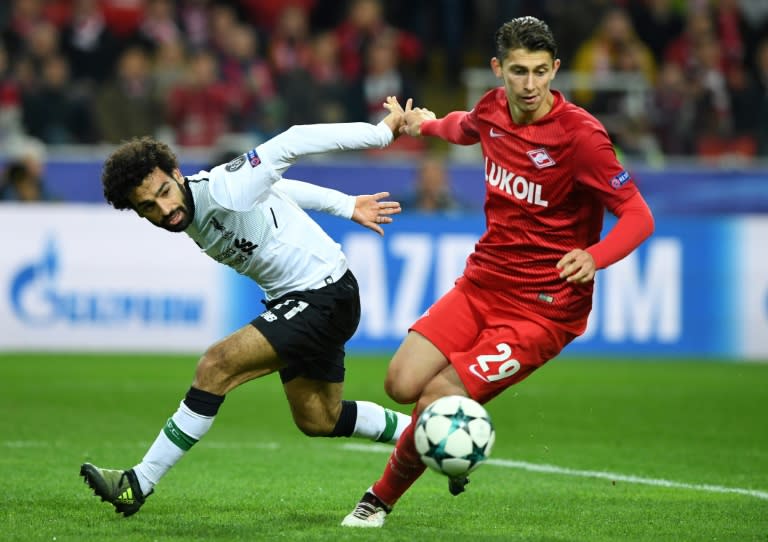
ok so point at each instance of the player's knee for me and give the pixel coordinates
(313, 427)
(400, 390)
(211, 373)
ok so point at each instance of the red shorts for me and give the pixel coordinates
(491, 344)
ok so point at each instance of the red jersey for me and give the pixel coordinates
(547, 186)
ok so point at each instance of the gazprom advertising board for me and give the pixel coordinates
(86, 277)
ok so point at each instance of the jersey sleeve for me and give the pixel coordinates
(317, 198)
(598, 170)
(284, 149)
(239, 184)
(634, 226)
(459, 127)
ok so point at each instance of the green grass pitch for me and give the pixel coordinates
(592, 450)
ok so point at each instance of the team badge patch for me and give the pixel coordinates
(253, 158)
(540, 158)
(236, 164)
(620, 179)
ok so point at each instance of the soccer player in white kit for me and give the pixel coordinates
(244, 214)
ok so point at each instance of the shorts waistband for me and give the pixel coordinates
(330, 279)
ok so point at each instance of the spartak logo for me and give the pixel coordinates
(540, 158)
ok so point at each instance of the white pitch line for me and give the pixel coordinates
(612, 476)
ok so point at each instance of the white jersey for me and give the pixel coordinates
(248, 217)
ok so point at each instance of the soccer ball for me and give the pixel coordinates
(454, 435)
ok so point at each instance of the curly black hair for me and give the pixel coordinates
(525, 33)
(130, 164)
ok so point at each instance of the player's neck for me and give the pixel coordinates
(529, 117)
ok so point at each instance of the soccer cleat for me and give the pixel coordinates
(369, 512)
(456, 484)
(120, 488)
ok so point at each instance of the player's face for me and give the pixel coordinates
(161, 199)
(527, 76)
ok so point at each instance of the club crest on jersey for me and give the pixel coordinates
(620, 179)
(253, 158)
(236, 164)
(540, 158)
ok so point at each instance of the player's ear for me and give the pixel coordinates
(496, 67)
(178, 176)
(555, 67)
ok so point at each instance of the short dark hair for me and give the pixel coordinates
(525, 33)
(130, 164)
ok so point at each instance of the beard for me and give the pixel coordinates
(186, 210)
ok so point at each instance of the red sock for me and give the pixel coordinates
(402, 470)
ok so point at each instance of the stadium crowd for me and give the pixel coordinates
(194, 71)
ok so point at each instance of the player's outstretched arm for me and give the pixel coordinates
(372, 213)
(285, 148)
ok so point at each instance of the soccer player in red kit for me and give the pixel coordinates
(526, 292)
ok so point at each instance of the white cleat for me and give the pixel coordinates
(370, 512)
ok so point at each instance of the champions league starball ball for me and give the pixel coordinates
(454, 435)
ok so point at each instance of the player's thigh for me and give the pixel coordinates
(315, 404)
(241, 356)
(414, 364)
(451, 324)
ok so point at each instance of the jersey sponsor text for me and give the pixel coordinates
(514, 185)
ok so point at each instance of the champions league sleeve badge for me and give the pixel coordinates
(236, 164)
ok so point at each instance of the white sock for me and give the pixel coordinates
(180, 433)
(377, 423)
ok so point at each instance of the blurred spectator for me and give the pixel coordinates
(41, 44)
(200, 108)
(761, 71)
(222, 20)
(55, 111)
(672, 111)
(733, 31)
(89, 45)
(657, 22)
(24, 16)
(699, 28)
(24, 74)
(266, 14)
(193, 20)
(432, 192)
(10, 101)
(443, 23)
(128, 104)
(290, 55)
(290, 46)
(331, 95)
(22, 178)
(383, 77)
(122, 17)
(251, 83)
(744, 96)
(572, 22)
(169, 67)
(613, 47)
(159, 25)
(709, 90)
(363, 23)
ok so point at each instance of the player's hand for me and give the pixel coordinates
(578, 266)
(413, 117)
(372, 213)
(395, 118)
